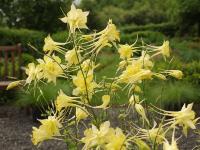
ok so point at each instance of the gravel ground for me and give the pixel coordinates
(15, 130)
(16, 127)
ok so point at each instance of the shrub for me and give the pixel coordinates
(13, 36)
(168, 29)
(147, 36)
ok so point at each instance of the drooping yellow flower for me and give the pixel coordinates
(134, 99)
(34, 72)
(64, 101)
(125, 51)
(81, 113)
(117, 141)
(140, 110)
(72, 57)
(50, 45)
(48, 128)
(51, 67)
(135, 102)
(13, 85)
(105, 100)
(175, 73)
(165, 49)
(160, 76)
(185, 117)
(76, 19)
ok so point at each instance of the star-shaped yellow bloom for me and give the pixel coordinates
(76, 19)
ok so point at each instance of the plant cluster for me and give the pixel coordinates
(75, 116)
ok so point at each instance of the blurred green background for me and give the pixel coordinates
(29, 21)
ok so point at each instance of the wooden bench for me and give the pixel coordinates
(10, 64)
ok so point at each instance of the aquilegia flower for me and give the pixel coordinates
(51, 67)
(47, 130)
(50, 45)
(76, 19)
(34, 72)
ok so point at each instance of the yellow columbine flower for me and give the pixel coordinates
(136, 89)
(125, 51)
(175, 73)
(13, 85)
(50, 45)
(122, 65)
(154, 134)
(165, 49)
(84, 84)
(160, 76)
(51, 67)
(102, 38)
(72, 57)
(135, 102)
(48, 128)
(144, 61)
(185, 117)
(97, 137)
(105, 137)
(140, 110)
(34, 72)
(134, 99)
(88, 65)
(106, 101)
(133, 73)
(117, 141)
(173, 146)
(64, 101)
(76, 19)
(110, 33)
(81, 113)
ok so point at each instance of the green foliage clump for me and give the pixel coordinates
(13, 36)
(168, 29)
(33, 14)
(147, 37)
(188, 18)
